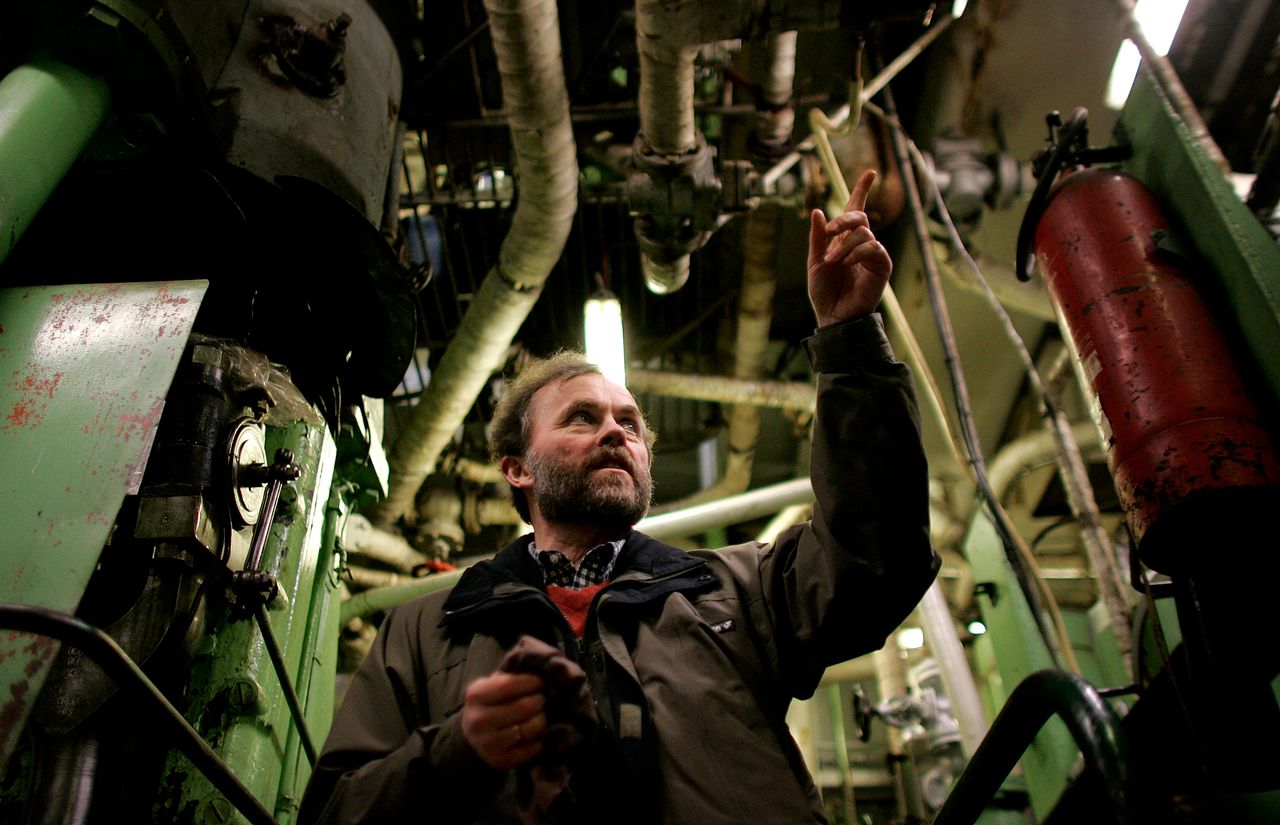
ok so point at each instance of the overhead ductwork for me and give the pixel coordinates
(526, 40)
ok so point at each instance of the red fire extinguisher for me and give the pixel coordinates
(1184, 439)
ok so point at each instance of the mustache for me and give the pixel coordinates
(612, 457)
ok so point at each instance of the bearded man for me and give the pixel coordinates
(590, 673)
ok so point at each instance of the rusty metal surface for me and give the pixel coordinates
(83, 375)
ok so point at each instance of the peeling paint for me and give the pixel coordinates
(13, 712)
(82, 365)
(34, 388)
(140, 426)
(22, 414)
(40, 649)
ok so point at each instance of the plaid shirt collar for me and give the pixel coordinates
(596, 566)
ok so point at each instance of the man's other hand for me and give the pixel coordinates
(503, 718)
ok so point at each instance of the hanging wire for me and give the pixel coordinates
(1020, 556)
(1072, 468)
(822, 127)
(897, 317)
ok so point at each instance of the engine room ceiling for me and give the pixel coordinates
(301, 276)
(991, 77)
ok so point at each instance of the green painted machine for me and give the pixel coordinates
(178, 460)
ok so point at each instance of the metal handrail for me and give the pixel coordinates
(116, 662)
(1092, 723)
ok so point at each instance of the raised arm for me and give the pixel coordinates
(837, 586)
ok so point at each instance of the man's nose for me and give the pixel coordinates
(612, 431)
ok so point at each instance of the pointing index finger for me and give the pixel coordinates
(858, 197)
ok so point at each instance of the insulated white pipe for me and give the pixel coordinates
(786, 395)
(1032, 450)
(363, 538)
(669, 34)
(755, 315)
(526, 40)
(957, 678)
(735, 510)
(755, 504)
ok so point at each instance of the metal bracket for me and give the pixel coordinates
(252, 586)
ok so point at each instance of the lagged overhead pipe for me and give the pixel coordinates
(755, 314)
(775, 118)
(673, 189)
(785, 395)
(759, 280)
(526, 40)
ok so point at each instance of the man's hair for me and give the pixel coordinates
(512, 418)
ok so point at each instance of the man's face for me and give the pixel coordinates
(587, 454)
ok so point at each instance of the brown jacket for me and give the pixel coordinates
(692, 657)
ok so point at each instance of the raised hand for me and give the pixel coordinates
(848, 267)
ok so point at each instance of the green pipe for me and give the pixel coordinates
(320, 662)
(384, 598)
(48, 113)
(836, 706)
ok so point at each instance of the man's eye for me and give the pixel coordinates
(580, 415)
(631, 426)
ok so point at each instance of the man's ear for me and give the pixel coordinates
(516, 472)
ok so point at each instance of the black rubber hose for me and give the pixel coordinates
(116, 663)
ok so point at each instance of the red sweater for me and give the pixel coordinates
(574, 603)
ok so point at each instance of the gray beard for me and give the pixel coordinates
(566, 493)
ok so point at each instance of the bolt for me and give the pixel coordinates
(214, 810)
(338, 27)
(243, 696)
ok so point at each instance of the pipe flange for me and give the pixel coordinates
(675, 199)
(246, 461)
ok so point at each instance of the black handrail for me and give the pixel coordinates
(1092, 723)
(111, 658)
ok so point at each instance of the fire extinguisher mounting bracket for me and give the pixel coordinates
(1068, 147)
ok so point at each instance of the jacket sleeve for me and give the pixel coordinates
(836, 587)
(382, 759)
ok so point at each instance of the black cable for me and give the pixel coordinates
(108, 655)
(964, 408)
(286, 685)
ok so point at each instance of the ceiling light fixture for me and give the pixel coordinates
(602, 329)
(1159, 20)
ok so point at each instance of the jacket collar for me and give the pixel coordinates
(646, 568)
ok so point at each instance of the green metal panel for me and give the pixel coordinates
(1018, 652)
(319, 666)
(237, 703)
(84, 371)
(48, 113)
(1241, 253)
